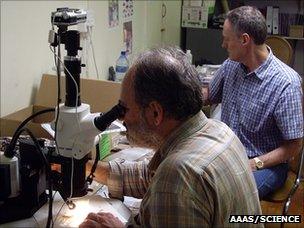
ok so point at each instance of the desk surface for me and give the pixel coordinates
(63, 217)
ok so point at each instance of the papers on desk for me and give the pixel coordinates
(131, 154)
(64, 217)
(85, 205)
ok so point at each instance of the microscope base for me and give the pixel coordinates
(20, 208)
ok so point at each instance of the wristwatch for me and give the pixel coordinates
(258, 163)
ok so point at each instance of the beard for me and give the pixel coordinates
(141, 135)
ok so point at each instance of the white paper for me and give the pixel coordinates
(93, 202)
(192, 3)
(114, 127)
(196, 17)
(85, 205)
(48, 128)
(130, 154)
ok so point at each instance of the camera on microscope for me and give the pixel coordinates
(65, 16)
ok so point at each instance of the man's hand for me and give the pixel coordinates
(101, 220)
(252, 165)
(285, 152)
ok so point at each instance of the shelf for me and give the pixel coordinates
(293, 38)
(288, 37)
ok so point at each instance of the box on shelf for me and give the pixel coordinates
(101, 95)
(296, 31)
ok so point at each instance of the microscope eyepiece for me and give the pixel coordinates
(103, 121)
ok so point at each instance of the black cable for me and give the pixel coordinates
(58, 86)
(91, 175)
(9, 151)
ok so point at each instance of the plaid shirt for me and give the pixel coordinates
(199, 177)
(263, 107)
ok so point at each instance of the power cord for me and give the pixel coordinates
(93, 52)
(9, 152)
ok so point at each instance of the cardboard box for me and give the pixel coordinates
(296, 31)
(101, 95)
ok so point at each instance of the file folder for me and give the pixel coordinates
(269, 19)
(275, 20)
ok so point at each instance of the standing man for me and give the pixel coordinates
(199, 174)
(261, 98)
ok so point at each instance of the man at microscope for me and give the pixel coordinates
(199, 174)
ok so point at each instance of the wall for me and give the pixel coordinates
(25, 53)
(171, 23)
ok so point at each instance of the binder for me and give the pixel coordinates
(269, 19)
(275, 20)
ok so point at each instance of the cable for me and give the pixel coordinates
(58, 89)
(97, 157)
(9, 152)
(72, 177)
(59, 212)
(93, 52)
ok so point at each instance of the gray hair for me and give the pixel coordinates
(165, 75)
(248, 19)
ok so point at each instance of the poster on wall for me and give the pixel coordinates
(195, 17)
(127, 36)
(127, 9)
(113, 13)
(197, 3)
(195, 13)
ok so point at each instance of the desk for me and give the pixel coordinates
(95, 201)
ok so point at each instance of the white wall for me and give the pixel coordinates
(25, 53)
(171, 23)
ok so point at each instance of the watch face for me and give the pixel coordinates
(259, 164)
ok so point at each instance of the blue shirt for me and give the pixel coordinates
(263, 107)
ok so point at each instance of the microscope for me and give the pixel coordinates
(25, 176)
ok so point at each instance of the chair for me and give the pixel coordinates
(281, 48)
(293, 181)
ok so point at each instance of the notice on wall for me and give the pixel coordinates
(127, 9)
(113, 13)
(196, 12)
(195, 17)
(193, 3)
(128, 36)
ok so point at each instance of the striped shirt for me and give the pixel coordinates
(263, 107)
(199, 177)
